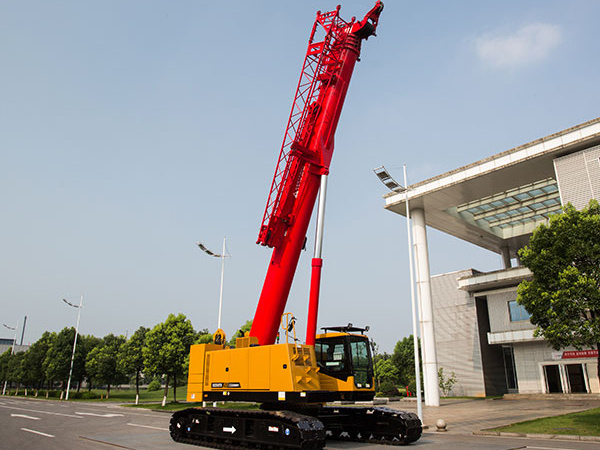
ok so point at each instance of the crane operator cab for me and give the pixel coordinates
(345, 364)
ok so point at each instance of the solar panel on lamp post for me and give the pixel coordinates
(393, 186)
(12, 350)
(74, 340)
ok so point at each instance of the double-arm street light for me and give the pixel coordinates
(12, 350)
(223, 255)
(74, 340)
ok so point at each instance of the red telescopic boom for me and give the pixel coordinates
(305, 155)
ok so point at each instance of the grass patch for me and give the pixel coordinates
(116, 395)
(585, 423)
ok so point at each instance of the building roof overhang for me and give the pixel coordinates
(498, 279)
(499, 179)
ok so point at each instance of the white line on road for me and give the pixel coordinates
(24, 416)
(41, 412)
(545, 448)
(147, 426)
(37, 432)
(98, 415)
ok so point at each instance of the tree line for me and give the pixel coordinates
(160, 352)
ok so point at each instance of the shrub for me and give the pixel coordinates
(388, 389)
(154, 385)
(446, 383)
(84, 395)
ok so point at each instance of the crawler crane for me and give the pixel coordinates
(293, 382)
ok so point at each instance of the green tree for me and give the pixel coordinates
(15, 369)
(204, 337)
(33, 361)
(4, 358)
(167, 347)
(403, 359)
(102, 361)
(563, 296)
(385, 370)
(57, 363)
(88, 343)
(131, 359)
(240, 333)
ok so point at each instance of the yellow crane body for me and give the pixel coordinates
(284, 372)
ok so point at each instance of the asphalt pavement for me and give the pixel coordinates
(47, 425)
(473, 415)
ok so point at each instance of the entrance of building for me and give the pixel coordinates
(553, 382)
(566, 378)
(509, 369)
(576, 378)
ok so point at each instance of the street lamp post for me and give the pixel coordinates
(412, 301)
(223, 255)
(74, 340)
(12, 350)
(391, 184)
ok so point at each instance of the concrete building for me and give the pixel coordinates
(478, 330)
(6, 344)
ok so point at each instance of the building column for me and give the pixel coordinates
(430, 369)
(505, 253)
(518, 259)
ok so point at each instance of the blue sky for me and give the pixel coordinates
(131, 129)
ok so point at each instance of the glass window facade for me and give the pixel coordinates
(517, 312)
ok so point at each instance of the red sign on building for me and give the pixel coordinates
(580, 354)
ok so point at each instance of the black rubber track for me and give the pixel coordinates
(376, 425)
(190, 426)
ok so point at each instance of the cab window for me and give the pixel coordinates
(361, 362)
(331, 355)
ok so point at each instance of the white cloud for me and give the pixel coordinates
(528, 45)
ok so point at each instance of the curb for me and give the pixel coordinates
(567, 437)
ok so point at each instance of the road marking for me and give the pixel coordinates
(105, 442)
(41, 412)
(546, 448)
(147, 426)
(37, 432)
(98, 415)
(526, 447)
(24, 416)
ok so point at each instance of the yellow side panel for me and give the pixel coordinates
(329, 383)
(258, 368)
(238, 367)
(275, 368)
(218, 369)
(196, 372)
(280, 370)
(197, 359)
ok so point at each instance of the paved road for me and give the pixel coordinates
(468, 415)
(48, 425)
(38, 424)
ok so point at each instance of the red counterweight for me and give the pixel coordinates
(305, 155)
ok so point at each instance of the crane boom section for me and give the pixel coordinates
(306, 154)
